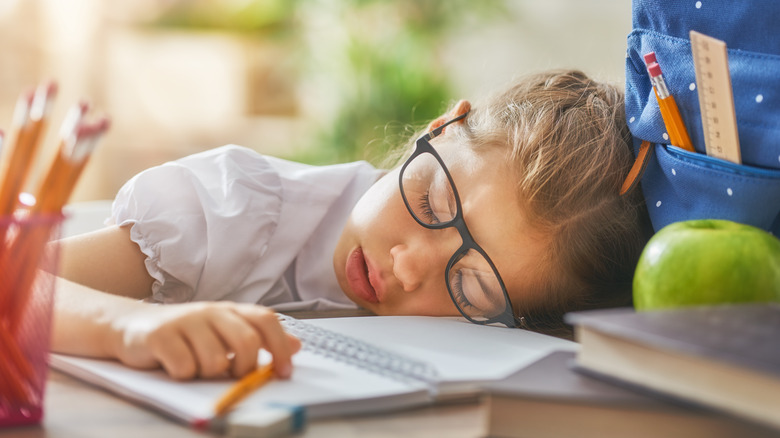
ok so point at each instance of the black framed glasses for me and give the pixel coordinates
(429, 194)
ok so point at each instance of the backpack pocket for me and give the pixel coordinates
(680, 185)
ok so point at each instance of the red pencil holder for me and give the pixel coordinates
(28, 265)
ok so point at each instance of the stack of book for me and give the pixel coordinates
(705, 371)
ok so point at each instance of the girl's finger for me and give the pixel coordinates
(273, 337)
(211, 354)
(241, 338)
(175, 356)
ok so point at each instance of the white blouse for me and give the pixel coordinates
(231, 224)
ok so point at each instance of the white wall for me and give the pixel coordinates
(589, 35)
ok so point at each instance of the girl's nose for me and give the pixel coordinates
(406, 267)
(416, 261)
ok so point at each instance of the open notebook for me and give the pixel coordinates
(347, 366)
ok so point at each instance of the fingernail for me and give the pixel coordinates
(284, 371)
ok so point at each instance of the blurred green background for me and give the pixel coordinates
(319, 81)
(383, 61)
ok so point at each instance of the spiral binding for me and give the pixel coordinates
(358, 353)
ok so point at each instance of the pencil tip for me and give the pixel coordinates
(41, 101)
(46, 90)
(95, 128)
(86, 137)
(52, 88)
(22, 111)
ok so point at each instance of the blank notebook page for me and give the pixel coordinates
(316, 382)
(463, 353)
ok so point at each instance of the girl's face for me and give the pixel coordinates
(386, 262)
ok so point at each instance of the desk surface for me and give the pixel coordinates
(75, 409)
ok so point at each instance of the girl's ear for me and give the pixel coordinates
(460, 108)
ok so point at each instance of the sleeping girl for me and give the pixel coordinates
(505, 212)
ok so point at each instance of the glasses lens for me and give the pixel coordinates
(475, 287)
(428, 192)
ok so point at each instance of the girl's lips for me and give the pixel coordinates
(357, 274)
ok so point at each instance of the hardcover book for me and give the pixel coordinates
(726, 357)
(550, 399)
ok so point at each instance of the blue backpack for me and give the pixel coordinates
(680, 185)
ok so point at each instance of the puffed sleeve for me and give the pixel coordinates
(202, 221)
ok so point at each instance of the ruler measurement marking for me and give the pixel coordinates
(716, 100)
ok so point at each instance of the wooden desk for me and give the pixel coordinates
(75, 409)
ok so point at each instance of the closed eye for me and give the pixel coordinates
(426, 210)
(457, 291)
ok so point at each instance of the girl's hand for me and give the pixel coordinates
(202, 339)
(98, 313)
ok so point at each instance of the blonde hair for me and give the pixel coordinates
(569, 144)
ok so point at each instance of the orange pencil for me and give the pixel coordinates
(15, 371)
(15, 252)
(21, 251)
(77, 142)
(13, 156)
(74, 151)
(248, 384)
(675, 127)
(16, 161)
(18, 153)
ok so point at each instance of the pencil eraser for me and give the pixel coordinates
(268, 421)
(654, 69)
(650, 58)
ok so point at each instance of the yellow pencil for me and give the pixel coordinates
(29, 123)
(244, 387)
(79, 139)
(22, 250)
(678, 134)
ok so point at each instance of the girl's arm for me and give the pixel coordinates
(203, 339)
(106, 260)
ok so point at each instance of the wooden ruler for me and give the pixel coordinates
(716, 100)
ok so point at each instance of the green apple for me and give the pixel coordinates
(707, 261)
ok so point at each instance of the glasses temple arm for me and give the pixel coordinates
(437, 131)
